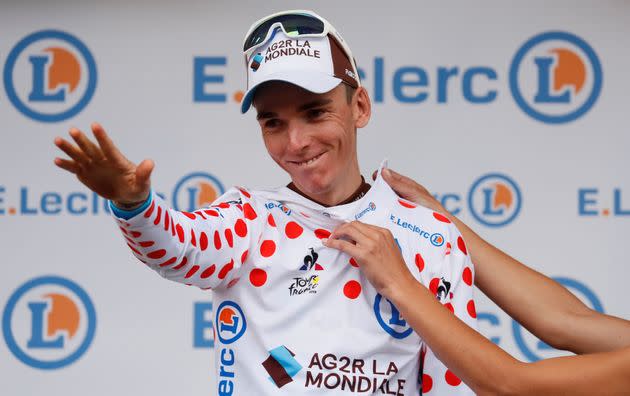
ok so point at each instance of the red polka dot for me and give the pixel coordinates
(191, 271)
(244, 192)
(203, 241)
(180, 265)
(353, 262)
(258, 277)
(200, 214)
(233, 282)
(168, 262)
(167, 220)
(147, 243)
(224, 205)
(321, 233)
(190, 215)
(156, 254)
(472, 311)
(133, 249)
(448, 248)
(150, 210)
(461, 245)
(467, 276)
(271, 220)
(352, 289)
(193, 238)
(450, 307)
(427, 383)
(229, 238)
(136, 234)
(419, 262)
(208, 272)
(406, 204)
(180, 232)
(123, 230)
(244, 256)
(249, 212)
(158, 216)
(451, 378)
(434, 284)
(441, 217)
(267, 248)
(217, 240)
(240, 228)
(211, 212)
(226, 269)
(293, 230)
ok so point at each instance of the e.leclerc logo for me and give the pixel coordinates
(49, 322)
(196, 190)
(50, 76)
(555, 77)
(494, 200)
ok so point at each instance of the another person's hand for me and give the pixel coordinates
(377, 254)
(103, 168)
(410, 190)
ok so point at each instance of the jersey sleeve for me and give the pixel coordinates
(453, 287)
(206, 248)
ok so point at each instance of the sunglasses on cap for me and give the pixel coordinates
(294, 23)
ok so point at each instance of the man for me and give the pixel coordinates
(294, 315)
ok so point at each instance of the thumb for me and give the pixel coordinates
(143, 172)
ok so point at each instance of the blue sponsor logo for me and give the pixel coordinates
(567, 75)
(388, 316)
(565, 71)
(60, 318)
(371, 208)
(590, 203)
(50, 76)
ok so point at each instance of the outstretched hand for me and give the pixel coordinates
(103, 168)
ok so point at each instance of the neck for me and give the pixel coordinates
(353, 189)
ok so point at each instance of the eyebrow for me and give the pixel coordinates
(304, 107)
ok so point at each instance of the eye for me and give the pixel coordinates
(271, 123)
(315, 113)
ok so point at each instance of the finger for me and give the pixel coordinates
(143, 172)
(347, 247)
(88, 147)
(73, 151)
(70, 166)
(353, 231)
(374, 174)
(402, 185)
(106, 145)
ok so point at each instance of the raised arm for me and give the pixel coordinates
(483, 366)
(525, 294)
(206, 248)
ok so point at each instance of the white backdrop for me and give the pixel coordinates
(444, 113)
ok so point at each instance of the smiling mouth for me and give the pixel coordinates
(307, 162)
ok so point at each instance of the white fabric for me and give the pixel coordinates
(329, 324)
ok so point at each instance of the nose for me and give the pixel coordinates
(299, 137)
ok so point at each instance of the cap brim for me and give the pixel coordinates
(314, 82)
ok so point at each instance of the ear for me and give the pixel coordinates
(362, 107)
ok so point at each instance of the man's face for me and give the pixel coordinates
(311, 136)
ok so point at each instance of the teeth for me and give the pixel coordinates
(309, 161)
